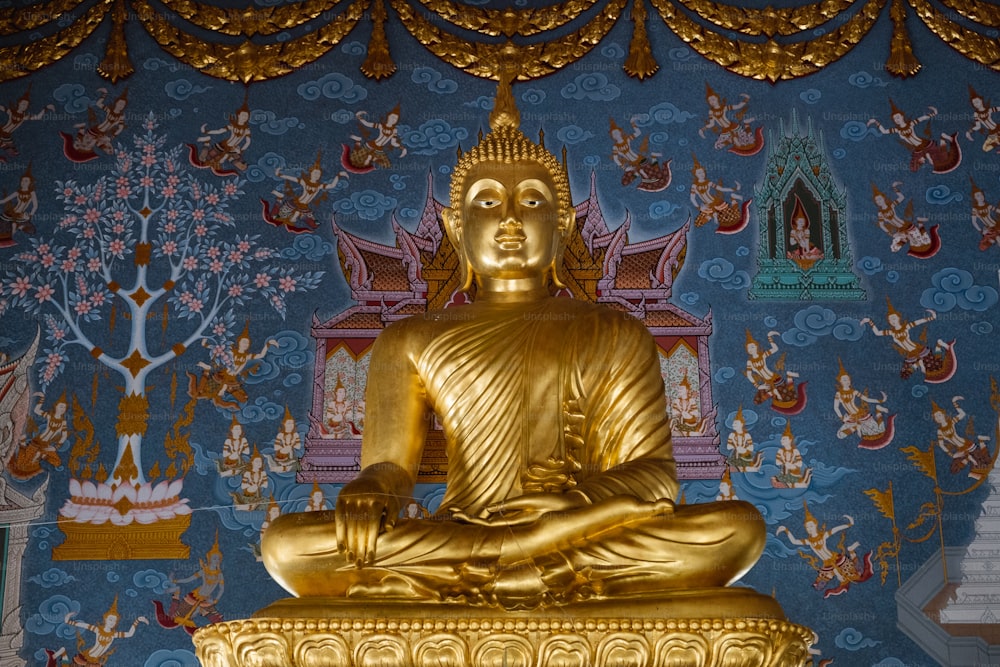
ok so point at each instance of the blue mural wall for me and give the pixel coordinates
(164, 262)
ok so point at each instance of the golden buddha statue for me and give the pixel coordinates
(561, 474)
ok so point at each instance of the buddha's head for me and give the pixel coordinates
(511, 211)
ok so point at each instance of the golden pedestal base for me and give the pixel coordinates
(136, 541)
(697, 628)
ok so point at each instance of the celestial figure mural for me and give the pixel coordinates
(967, 450)
(842, 566)
(18, 209)
(943, 155)
(854, 410)
(200, 601)
(372, 152)
(95, 135)
(776, 385)
(223, 149)
(792, 470)
(905, 231)
(938, 364)
(985, 217)
(293, 212)
(983, 122)
(638, 163)
(736, 134)
(17, 114)
(105, 635)
(716, 202)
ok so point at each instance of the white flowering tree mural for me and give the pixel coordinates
(146, 237)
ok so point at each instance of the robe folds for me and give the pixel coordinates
(551, 396)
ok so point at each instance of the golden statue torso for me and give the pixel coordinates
(520, 391)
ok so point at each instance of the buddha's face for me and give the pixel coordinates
(509, 223)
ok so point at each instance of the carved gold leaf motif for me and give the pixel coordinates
(769, 21)
(478, 58)
(508, 22)
(980, 48)
(23, 59)
(14, 22)
(252, 20)
(713, 29)
(771, 60)
(247, 61)
(984, 13)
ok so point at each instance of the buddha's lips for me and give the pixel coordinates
(510, 241)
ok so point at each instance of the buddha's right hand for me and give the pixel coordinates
(366, 507)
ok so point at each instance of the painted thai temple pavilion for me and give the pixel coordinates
(804, 251)
(420, 273)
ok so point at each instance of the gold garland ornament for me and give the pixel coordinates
(479, 58)
(248, 61)
(726, 34)
(974, 46)
(508, 22)
(23, 59)
(14, 22)
(770, 60)
(252, 20)
(769, 21)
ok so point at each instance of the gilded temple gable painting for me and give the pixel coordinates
(209, 213)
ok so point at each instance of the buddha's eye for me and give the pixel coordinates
(487, 202)
(530, 202)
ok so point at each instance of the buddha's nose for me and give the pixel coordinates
(510, 226)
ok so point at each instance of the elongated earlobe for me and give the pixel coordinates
(467, 276)
(554, 271)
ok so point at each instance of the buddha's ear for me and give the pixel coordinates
(452, 226)
(567, 222)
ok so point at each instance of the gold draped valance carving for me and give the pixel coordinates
(260, 43)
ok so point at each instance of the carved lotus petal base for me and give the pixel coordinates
(623, 634)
